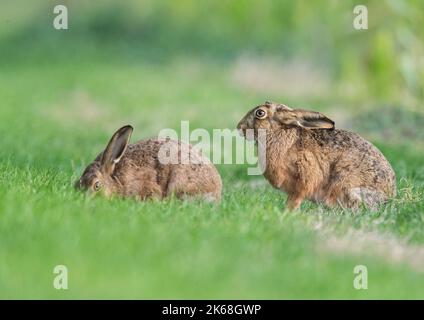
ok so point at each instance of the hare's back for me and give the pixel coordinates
(164, 151)
(179, 168)
(365, 161)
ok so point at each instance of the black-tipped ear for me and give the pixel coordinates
(115, 149)
(316, 120)
(304, 119)
(313, 120)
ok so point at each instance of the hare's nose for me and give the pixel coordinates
(77, 184)
(241, 126)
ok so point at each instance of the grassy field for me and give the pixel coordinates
(60, 103)
(247, 247)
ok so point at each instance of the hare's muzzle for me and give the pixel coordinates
(241, 128)
(242, 132)
(77, 184)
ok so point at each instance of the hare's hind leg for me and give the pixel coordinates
(188, 186)
(207, 197)
(371, 198)
(189, 195)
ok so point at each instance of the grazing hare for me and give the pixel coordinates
(141, 170)
(308, 159)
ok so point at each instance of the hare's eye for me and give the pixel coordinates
(260, 113)
(97, 185)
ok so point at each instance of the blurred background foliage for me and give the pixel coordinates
(385, 62)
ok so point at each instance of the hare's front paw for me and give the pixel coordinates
(294, 202)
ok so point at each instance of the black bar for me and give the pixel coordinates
(212, 309)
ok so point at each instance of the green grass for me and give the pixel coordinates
(56, 117)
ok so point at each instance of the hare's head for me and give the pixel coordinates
(98, 176)
(274, 116)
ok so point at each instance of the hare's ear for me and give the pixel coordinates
(306, 119)
(314, 120)
(115, 149)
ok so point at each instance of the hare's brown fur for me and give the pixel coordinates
(140, 173)
(309, 159)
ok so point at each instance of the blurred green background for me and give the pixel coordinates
(383, 62)
(155, 63)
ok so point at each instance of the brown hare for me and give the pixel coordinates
(308, 159)
(138, 170)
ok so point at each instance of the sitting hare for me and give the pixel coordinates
(307, 158)
(143, 171)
